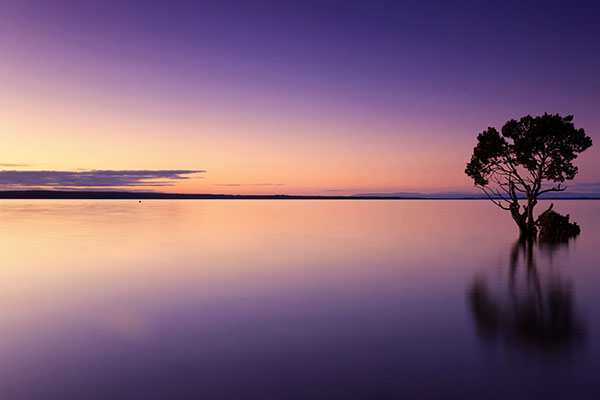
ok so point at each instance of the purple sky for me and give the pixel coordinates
(303, 96)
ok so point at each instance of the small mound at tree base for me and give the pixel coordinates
(555, 227)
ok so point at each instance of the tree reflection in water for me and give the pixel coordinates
(534, 309)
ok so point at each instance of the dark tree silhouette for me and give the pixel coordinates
(528, 158)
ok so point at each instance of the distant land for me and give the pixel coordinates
(124, 195)
(480, 195)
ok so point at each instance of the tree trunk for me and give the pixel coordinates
(525, 221)
(531, 228)
(521, 220)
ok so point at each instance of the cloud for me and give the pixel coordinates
(583, 187)
(99, 189)
(249, 184)
(587, 185)
(92, 179)
(13, 165)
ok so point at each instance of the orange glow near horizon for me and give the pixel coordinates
(240, 156)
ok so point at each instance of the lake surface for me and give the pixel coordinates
(294, 299)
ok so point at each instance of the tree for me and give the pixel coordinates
(530, 157)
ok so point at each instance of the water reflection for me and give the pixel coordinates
(533, 308)
(288, 299)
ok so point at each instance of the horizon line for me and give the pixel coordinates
(140, 195)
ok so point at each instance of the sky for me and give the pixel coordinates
(295, 97)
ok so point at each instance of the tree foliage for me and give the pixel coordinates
(529, 157)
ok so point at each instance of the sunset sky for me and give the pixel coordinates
(323, 97)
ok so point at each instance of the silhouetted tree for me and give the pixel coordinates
(523, 159)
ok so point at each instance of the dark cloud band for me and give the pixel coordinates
(249, 184)
(13, 165)
(93, 178)
(591, 185)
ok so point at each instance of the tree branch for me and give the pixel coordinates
(495, 201)
(549, 208)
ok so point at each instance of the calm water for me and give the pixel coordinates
(293, 300)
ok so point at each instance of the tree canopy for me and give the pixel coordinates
(529, 157)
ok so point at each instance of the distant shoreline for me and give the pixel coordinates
(112, 195)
